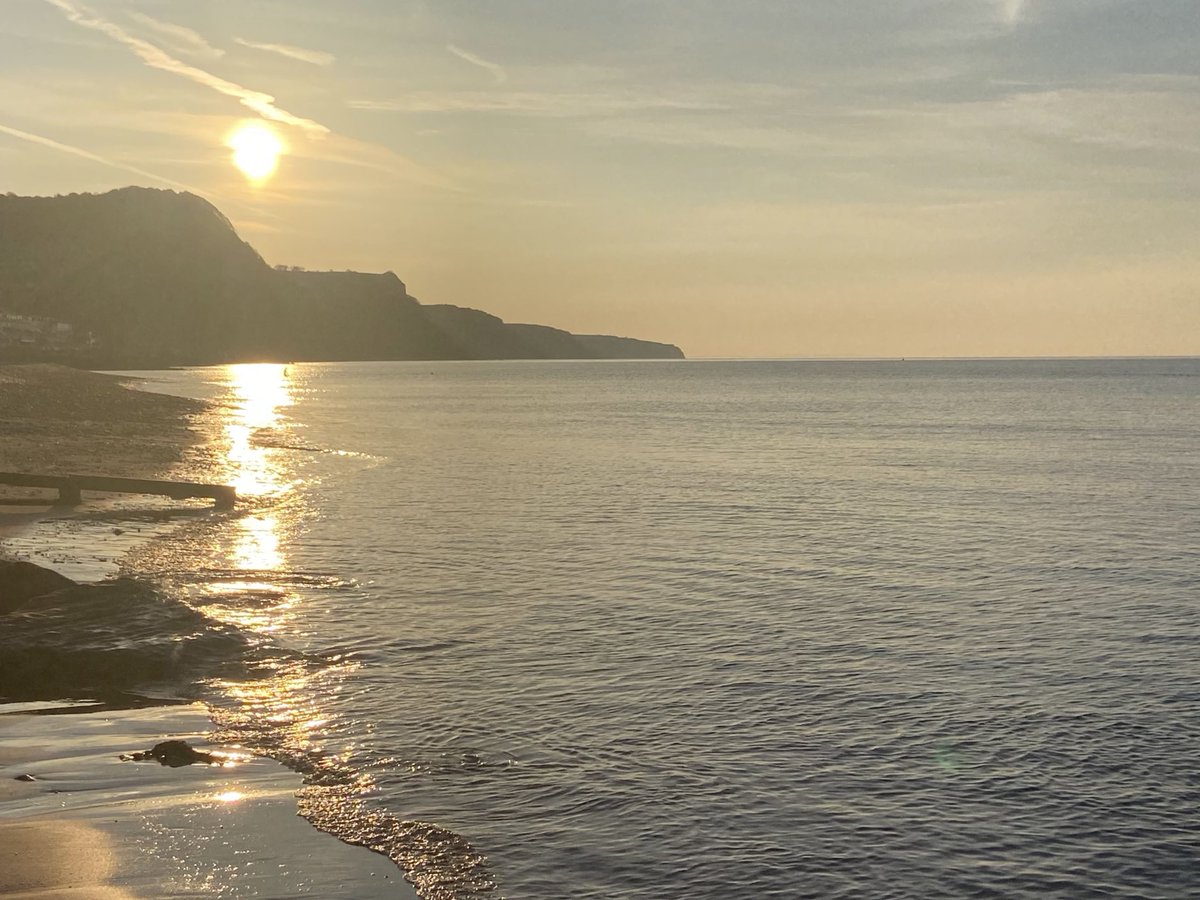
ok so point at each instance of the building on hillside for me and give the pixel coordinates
(35, 331)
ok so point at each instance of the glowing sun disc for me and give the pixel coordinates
(256, 148)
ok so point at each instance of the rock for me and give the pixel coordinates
(174, 754)
(25, 777)
(23, 581)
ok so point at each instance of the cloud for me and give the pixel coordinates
(496, 71)
(88, 155)
(182, 39)
(302, 54)
(537, 103)
(261, 103)
(703, 132)
(1136, 116)
(1013, 11)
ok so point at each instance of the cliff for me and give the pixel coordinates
(148, 278)
(606, 346)
(152, 275)
(352, 315)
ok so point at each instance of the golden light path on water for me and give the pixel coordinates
(255, 587)
(276, 698)
(257, 395)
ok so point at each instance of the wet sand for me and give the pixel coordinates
(93, 825)
(80, 867)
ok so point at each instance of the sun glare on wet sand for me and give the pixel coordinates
(256, 150)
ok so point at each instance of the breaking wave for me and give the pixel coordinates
(101, 641)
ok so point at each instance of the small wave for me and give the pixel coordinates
(451, 763)
(375, 649)
(441, 864)
(94, 640)
(270, 439)
(295, 578)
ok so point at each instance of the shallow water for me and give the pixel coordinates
(737, 630)
(190, 833)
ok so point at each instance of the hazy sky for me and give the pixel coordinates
(787, 178)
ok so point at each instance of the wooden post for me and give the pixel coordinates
(69, 494)
(69, 487)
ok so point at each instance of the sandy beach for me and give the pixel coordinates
(76, 821)
(121, 828)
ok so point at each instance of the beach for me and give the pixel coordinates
(76, 820)
(96, 826)
(58, 420)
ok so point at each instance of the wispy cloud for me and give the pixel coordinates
(346, 151)
(702, 132)
(259, 102)
(1013, 11)
(179, 37)
(537, 103)
(88, 155)
(1135, 115)
(301, 54)
(496, 70)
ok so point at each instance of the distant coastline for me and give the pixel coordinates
(139, 278)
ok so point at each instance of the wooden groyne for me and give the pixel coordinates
(70, 487)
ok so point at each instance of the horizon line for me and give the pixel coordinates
(1195, 356)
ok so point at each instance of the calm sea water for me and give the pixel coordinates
(721, 629)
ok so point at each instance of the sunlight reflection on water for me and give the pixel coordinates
(251, 583)
(247, 569)
(258, 391)
(258, 543)
(252, 552)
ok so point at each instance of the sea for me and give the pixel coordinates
(706, 629)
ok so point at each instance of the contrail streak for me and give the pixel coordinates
(87, 154)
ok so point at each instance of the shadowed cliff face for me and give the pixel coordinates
(351, 315)
(151, 278)
(151, 275)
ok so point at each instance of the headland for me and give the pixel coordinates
(138, 278)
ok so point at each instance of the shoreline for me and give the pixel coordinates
(141, 831)
(123, 829)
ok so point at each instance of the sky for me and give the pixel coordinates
(796, 178)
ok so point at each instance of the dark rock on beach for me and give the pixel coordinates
(174, 754)
(22, 581)
(106, 639)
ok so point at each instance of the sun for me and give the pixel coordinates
(256, 150)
